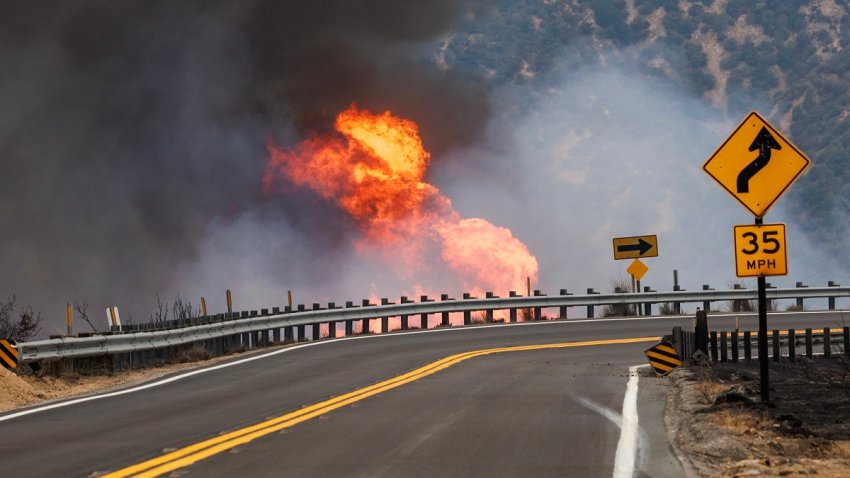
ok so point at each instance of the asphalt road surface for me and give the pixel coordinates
(547, 412)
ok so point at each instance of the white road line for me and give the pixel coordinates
(627, 448)
(630, 436)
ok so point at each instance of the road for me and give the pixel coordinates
(547, 412)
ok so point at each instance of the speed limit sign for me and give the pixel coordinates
(760, 250)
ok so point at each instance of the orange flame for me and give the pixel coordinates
(374, 170)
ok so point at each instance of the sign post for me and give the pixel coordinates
(756, 165)
(632, 248)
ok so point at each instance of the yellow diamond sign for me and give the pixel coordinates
(756, 164)
(637, 269)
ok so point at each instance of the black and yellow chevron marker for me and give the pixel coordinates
(663, 357)
(8, 353)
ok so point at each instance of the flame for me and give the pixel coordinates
(374, 169)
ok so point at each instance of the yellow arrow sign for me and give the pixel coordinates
(760, 250)
(637, 269)
(635, 246)
(756, 164)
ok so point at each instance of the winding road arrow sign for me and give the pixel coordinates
(636, 246)
(756, 181)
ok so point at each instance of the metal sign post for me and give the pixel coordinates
(763, 364)
(756, 165)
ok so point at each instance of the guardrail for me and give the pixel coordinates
(225, 332)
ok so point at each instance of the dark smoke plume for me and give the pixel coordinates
(128, 128)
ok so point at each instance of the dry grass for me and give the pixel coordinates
(723, 429)
(617, 285)
(735, 421)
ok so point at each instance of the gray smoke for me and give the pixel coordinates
(133, 141)
(600, 151)
(130, 132)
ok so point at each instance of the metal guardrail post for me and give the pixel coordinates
(404, 324)
(288, 331)
(647, 306)
(349, 324)
(538, 311)
(423, 318)
(385, 321)
(467, 314)
(488, 314)
(562, 311)
(724, 353)
(276, 330)
(364, 324)
(800, 285)
(706, 305)
(831, 299)
(512, 310)
(590, 311)
(748, 346)
(332, 323)
(302, 330)
(445, 316)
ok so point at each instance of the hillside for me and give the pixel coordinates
(787, 58)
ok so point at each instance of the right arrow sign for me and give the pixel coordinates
(635, 246)
(756, 164)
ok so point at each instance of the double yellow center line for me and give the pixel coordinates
(193, 453)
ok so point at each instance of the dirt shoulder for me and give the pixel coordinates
(22, 390)
(720, 428)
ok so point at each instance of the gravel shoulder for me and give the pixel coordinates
(719, 427)
(23, 390)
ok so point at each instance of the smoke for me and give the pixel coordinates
(601, 151)
(133, 142)
(133, 136)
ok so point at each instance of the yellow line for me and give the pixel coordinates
(204, 449)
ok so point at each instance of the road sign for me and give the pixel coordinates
(756, 164)
(663, 356)
(8, 353)
(760, 250)
(635, 246)
(637, 269)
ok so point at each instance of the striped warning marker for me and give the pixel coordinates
(8, 353)
(663, 357)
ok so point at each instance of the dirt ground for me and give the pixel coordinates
(720, 427)
(27, 389)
